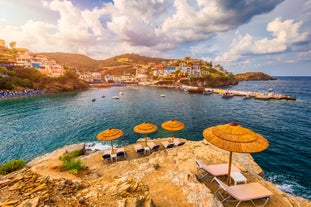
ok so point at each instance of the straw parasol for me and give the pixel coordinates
(109, 135)
(235, 138)
(145, 128)
(173, 126)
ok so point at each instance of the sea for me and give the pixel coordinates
(33, 126)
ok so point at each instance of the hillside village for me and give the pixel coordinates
(152, 71)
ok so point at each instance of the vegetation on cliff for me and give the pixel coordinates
(17, 78)
(167, 177)
(253, 76)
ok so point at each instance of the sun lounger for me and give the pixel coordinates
(243, 192)
(107, 155)
(166, 144)
(178, 143)
(214, 170)
(153, 146)
(139, 149)
(120, 153)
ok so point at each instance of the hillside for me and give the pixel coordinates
(84, 63)
(77, 61)
(167, 177)
(28, 78)
(253, 76)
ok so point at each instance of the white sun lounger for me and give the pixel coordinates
(166, 144)
(243, 192)
(214, 170)
(139, 149)
(153, 146)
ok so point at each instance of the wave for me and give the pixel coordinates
(96, 146)
(289, 185)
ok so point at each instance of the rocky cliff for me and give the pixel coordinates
(253, 76)
(210, 81)
(167, 177)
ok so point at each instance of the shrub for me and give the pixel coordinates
(73, 165)
(70, 163)
(71, 155)
(11, 166)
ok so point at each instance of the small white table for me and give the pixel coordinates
(147, 150)
(237, 177)
(113, 157)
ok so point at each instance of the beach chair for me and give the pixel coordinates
(178, 143)
(153, 146)
(167, 145)
(139, 149)
(107, 156)
(244, 192)
(213, 170)
(121, 155)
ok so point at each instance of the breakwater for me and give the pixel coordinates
(249, 94)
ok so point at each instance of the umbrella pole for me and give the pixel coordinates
(229, 169)
(173, 136)
(112, 150)
(145, 140)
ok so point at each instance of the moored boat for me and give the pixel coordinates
(208, 92)
(227, 95)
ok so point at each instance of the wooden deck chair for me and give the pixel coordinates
(243, 192)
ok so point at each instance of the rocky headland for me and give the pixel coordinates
(253, 76)
(166, 177)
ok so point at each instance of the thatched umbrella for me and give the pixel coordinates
(235, 138)
(173, 126)
(109, 135)
(145, 128)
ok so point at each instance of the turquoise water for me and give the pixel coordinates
(33, 126)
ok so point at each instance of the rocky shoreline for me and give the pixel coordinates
(166, 177)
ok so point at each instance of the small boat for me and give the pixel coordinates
(227, 95)
(208, 92)
(162, 95)
(121, 93)
(103, 96)
(115, 97)
(247, 96)
(94, 99)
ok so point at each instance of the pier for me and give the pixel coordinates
(255, 95)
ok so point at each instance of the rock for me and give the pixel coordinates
(164, 178)
(253, 76)
(34, 202)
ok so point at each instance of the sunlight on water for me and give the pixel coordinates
(33, 126)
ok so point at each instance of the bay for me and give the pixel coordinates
(33, 126)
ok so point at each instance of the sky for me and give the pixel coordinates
(270, 36)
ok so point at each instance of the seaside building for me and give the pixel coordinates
(47, 66)
(169, 72)
(23, 58)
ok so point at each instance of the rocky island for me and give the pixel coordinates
(253, 76)
(166, 177)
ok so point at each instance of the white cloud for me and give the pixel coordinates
(285, 35)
